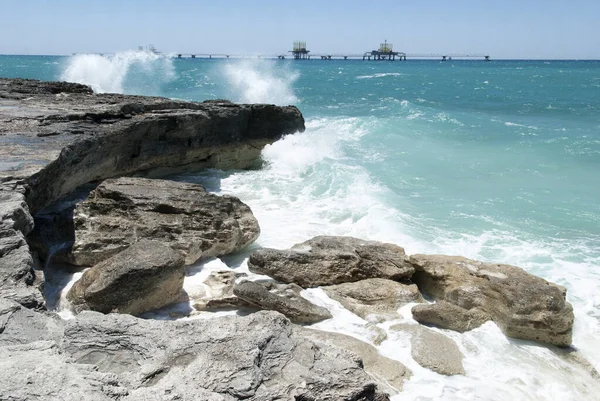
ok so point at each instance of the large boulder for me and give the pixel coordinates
(445, 315)
(121, 211)
(283, 298)
(106, 357)
(328, 260)
(522, 305)
(146, 276)
(374, 298)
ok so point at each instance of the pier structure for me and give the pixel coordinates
(385, 52)
(299, 51)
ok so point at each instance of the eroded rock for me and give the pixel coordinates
(522, 305)
(146, 276)
(121, 211)
(374, 298)
(449, 316)
(219, 292)
(283, 298)
(433, 350)
(332, 260)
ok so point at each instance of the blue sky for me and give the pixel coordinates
(501, 28)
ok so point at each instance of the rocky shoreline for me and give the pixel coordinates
(136, 234)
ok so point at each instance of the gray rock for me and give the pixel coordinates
(376, 298)
(433, 350)
(121, 211)
(282, 298)
(18, 279)
(146, 276)
(449, 316)
(522, 305)
(332, 260)
(219, 292)
(389, 373)
(105, 357)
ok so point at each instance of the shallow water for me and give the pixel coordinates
(495, 161)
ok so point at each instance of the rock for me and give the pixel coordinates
(219, 292)
(19, 325)
(449, 316)
(389, 373)
(376, 297)
(522, 305)
(121, 211)
(146, 276)
(18, 279)
(433, 350)
(106, 357)
(332, 260)
(282, 298)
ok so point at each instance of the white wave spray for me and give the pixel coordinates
(261, 81)
(109, 73)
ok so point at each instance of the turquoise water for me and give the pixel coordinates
(497, 161)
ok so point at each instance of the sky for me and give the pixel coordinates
(520, 29)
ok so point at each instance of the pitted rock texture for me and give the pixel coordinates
(122, 211)
(146, 276)
(522, 305)
(332, 260)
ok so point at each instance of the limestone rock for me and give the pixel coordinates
(522, 305)
(389, 373)
(332, 260)
(282, 298)
(433, 350)
(449, 316)
(18, 279)
(219, 292)
(121, 211)
(146, 276)
(376, 297)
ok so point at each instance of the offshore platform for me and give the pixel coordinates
(384, 52)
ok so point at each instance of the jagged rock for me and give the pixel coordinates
(121, 211)
(18, 279)
(389, 373)
(146, 276)
(449, 316)
(433, 350)
(376, 298)
(105, 357)
(283, 298)
(219, 292)
(522, 305)
(332, 260)
(57, 136)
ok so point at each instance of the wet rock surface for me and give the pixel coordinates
(332, 260)
(283, 298)
(144, 277)
(121, 211)
(219, 294)
(449, 316)
(374, 298)
(522, 305)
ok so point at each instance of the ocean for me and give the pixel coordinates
(497, 161)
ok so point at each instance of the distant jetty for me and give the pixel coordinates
(384, 52)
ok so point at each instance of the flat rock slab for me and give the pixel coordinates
(146, 276)
(433, 350)
(120, 212)
(445, 315)
(388, 371)
(522, 305)
(332, 260)
(283, 298)
(106, 357)
(374, 298)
